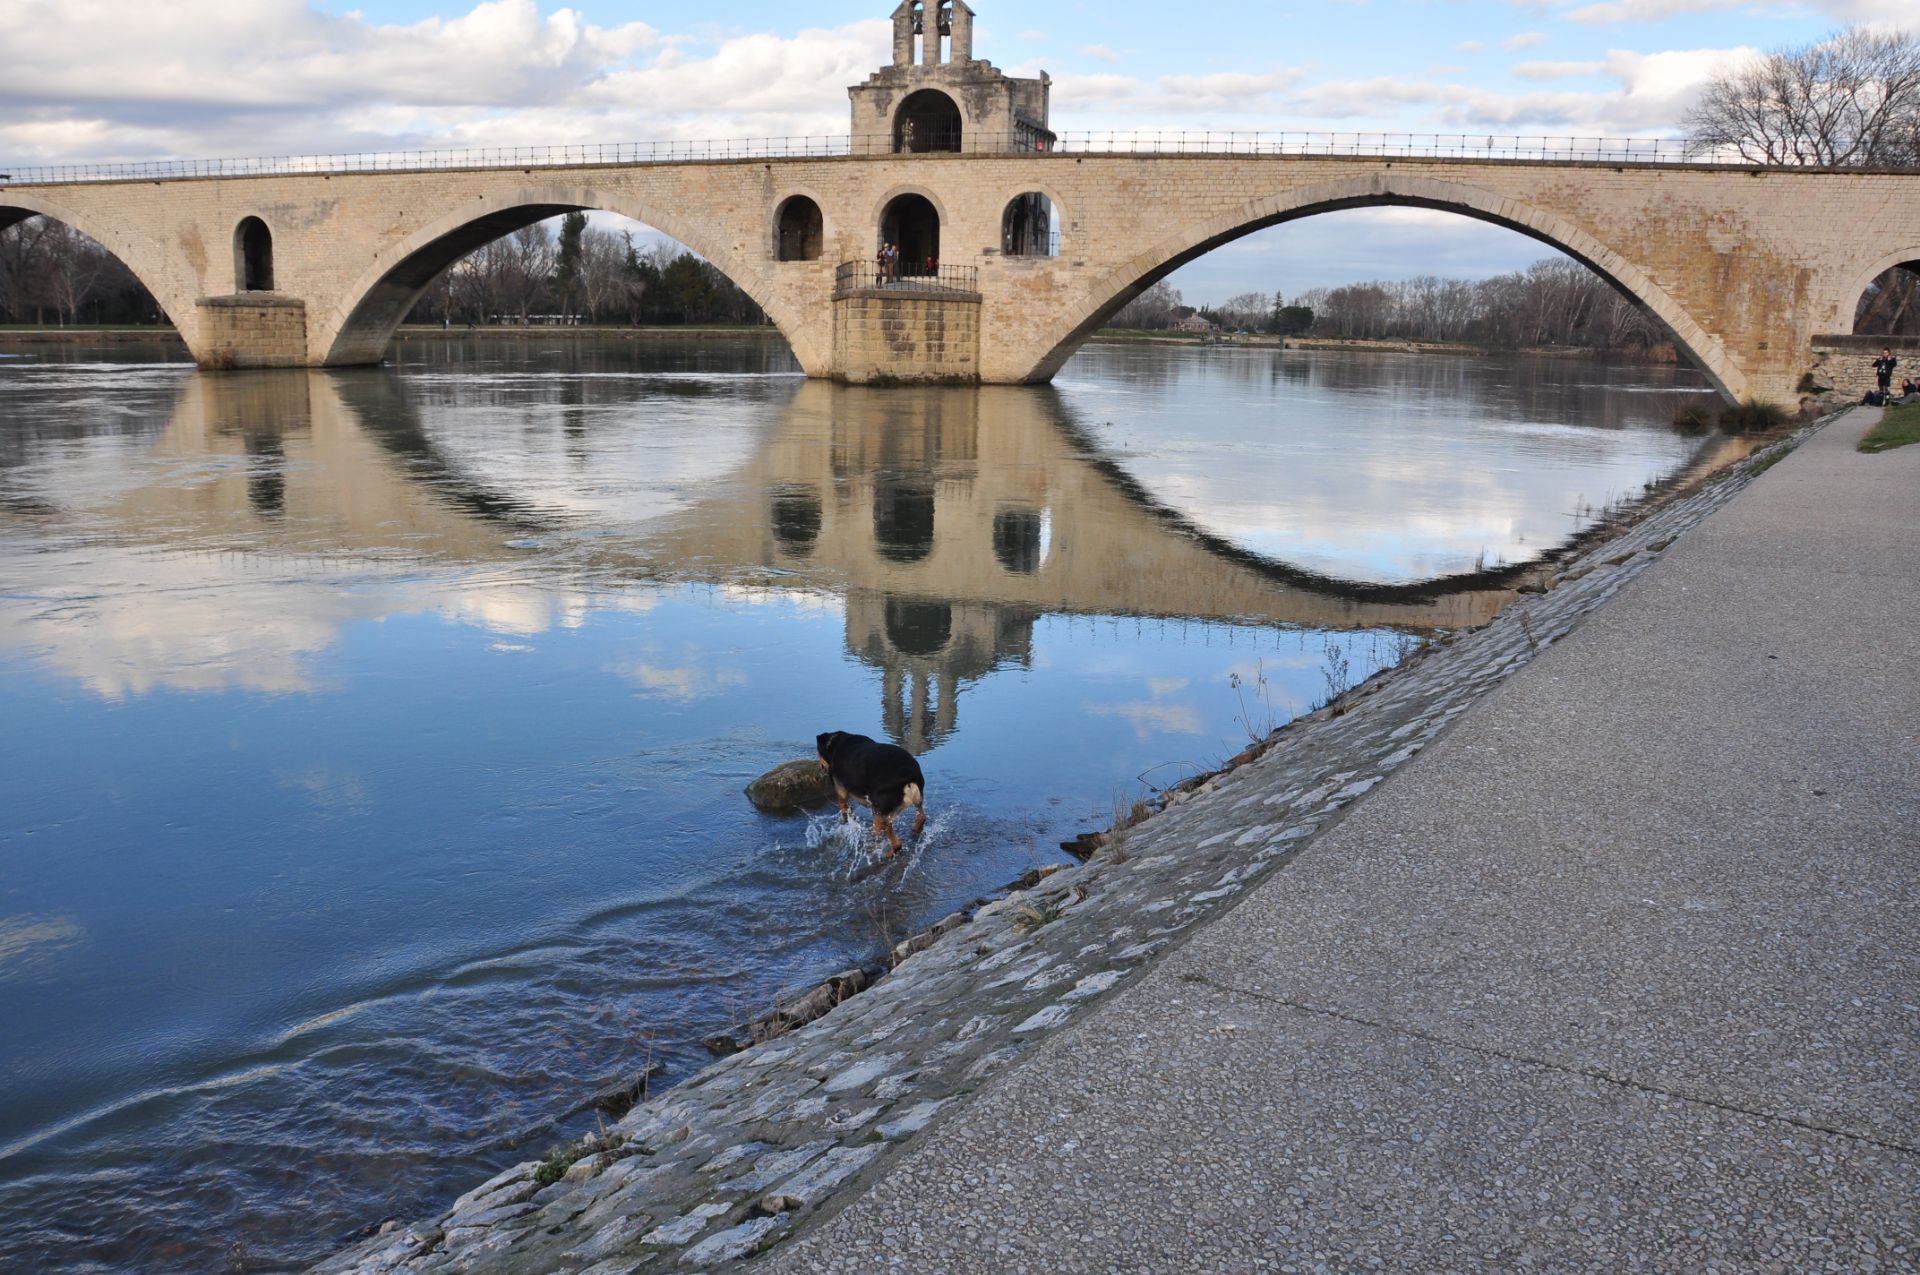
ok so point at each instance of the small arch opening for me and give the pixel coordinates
(253, 256)
(903, 519)
(919, 628)
(801, 231)
(1030, 227)
(1891, 304)
(796, 518)
(912, 224)
(928, 120)
(1020, 539)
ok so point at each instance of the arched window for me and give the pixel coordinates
(801, 232)
(928, 121)
(253, 256)
(1030, 228)
(912, 224)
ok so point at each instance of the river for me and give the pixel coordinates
(373, 744)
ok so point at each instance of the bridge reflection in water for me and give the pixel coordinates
(950, 519)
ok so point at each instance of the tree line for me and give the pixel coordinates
(584, 274)
(1551, 302)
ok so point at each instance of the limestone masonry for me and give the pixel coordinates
(953, 163)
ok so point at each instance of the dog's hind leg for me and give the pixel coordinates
(918, 800)
(883, 824)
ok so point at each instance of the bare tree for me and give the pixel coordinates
(603, 261)
(1247, 311)
(529, 268)
(1153, 308)
(1853, 99)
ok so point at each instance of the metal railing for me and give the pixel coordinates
(907, 276)
(1585, 150)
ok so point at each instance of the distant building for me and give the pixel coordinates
(1192, 323)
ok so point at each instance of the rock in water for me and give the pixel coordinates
(791, 786)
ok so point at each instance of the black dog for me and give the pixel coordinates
(883, 776)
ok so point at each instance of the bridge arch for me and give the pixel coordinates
(1847, 303)
(359, 327)
(139, 255)
(1106, 295)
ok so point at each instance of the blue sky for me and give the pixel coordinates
(133, 79)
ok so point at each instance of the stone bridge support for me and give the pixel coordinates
(1744, 266)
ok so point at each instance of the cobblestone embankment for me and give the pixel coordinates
(760, 1145)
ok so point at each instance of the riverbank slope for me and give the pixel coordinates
(765, 1144)
(1619, 974)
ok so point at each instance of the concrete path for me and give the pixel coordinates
(1622, 973)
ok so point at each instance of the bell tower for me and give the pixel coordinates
(936, 97)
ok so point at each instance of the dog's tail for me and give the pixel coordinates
(913, 796)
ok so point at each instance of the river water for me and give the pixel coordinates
(371, 742)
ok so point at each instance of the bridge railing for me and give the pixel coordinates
(1605, 150)
(907, 276)
(1609, 150)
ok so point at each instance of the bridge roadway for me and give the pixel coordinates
(1744, 266)
(1619, 974)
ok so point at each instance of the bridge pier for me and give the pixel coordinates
(915, 329)
(251, 330)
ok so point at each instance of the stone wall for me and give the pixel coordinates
(1844, 364)
(252, 329)
(887, 335)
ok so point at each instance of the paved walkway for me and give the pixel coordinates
(1621, 973)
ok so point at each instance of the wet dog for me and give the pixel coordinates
(883, 776)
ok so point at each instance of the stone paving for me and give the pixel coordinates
(760, 1146)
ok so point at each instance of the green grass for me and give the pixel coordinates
(1898, 426)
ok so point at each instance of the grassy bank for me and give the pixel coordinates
(1898, 426)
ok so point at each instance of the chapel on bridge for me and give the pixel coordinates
(937, 97)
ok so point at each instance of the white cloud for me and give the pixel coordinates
(1653, 90)
(96, 79)
(1099, 53)
(1470, 46)
(1524, 40)
(1557, 70)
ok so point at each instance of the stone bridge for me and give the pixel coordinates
(1744, 266)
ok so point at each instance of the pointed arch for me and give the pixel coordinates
(1106, 295)
(359, 327)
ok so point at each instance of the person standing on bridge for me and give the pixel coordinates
(1883, 369)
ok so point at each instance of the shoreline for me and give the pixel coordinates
(168, 335)
(781, 1133)
(1661, 356)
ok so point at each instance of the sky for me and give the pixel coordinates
(92, 80)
